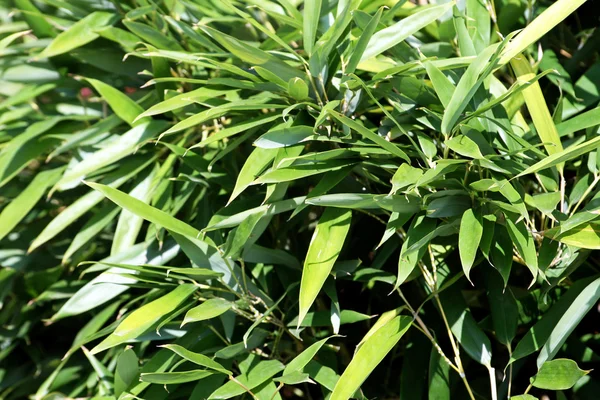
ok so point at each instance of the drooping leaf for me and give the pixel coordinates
(324, 249)
(469, 237)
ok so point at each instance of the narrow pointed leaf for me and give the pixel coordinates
(145, 317)
(324, 249)
(369, 355)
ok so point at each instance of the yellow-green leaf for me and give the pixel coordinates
(547, 20)
(145, 317)
(538, 109)
(211, 308)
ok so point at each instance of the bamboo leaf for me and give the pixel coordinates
(312, 11)
(197, 358)
(469, 237)
(324, 249)
(145, 211)
(145, 317)
(381, 341)
(79, 34)
(392, 35)
(171, 378)
(569, 321)
(211, 308)
(120, 103)
(565, 155)
(536, 104)
(560, 374)
(547, 20)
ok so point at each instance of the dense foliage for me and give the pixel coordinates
(309, 199)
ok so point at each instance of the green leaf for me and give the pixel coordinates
(464, 146)
(86, 202)
(103, 374)
(559, 374)
(569, 321)
(569, 305)
(463, 326)
(244, 235)
(302, 359)
(392, 35)
(145, 317)
(294, 378)
(466, 88)
(298, 89)
(525, 245)
(145, 211)
(324, 249)
(323, 318)
(363, 42)
(279, 137)
(439, 377)
(504, 309)
(366, 133)
(218, 111)
(311, 14)
(257, 375)
(79, 34)
(404, 176)
(170, 378)
(478, 23)
(546, 202)
(92, 227)
(380, 342)
(182, 100)
(582, 121)
(211, 308)
(547, 20)
(562, 156)
(197, 358)
(152, 36)
(420, 226)
(20, 144)
(253, 55)
(129, 223)
(121, 104)
(295, 172)
(345, 200)
(443, 87)
(21, 205)
(124, 146)
(536, 104)
(469, 237)
(38, 24)
(465, 42)
(127, 371)
(584, 237)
